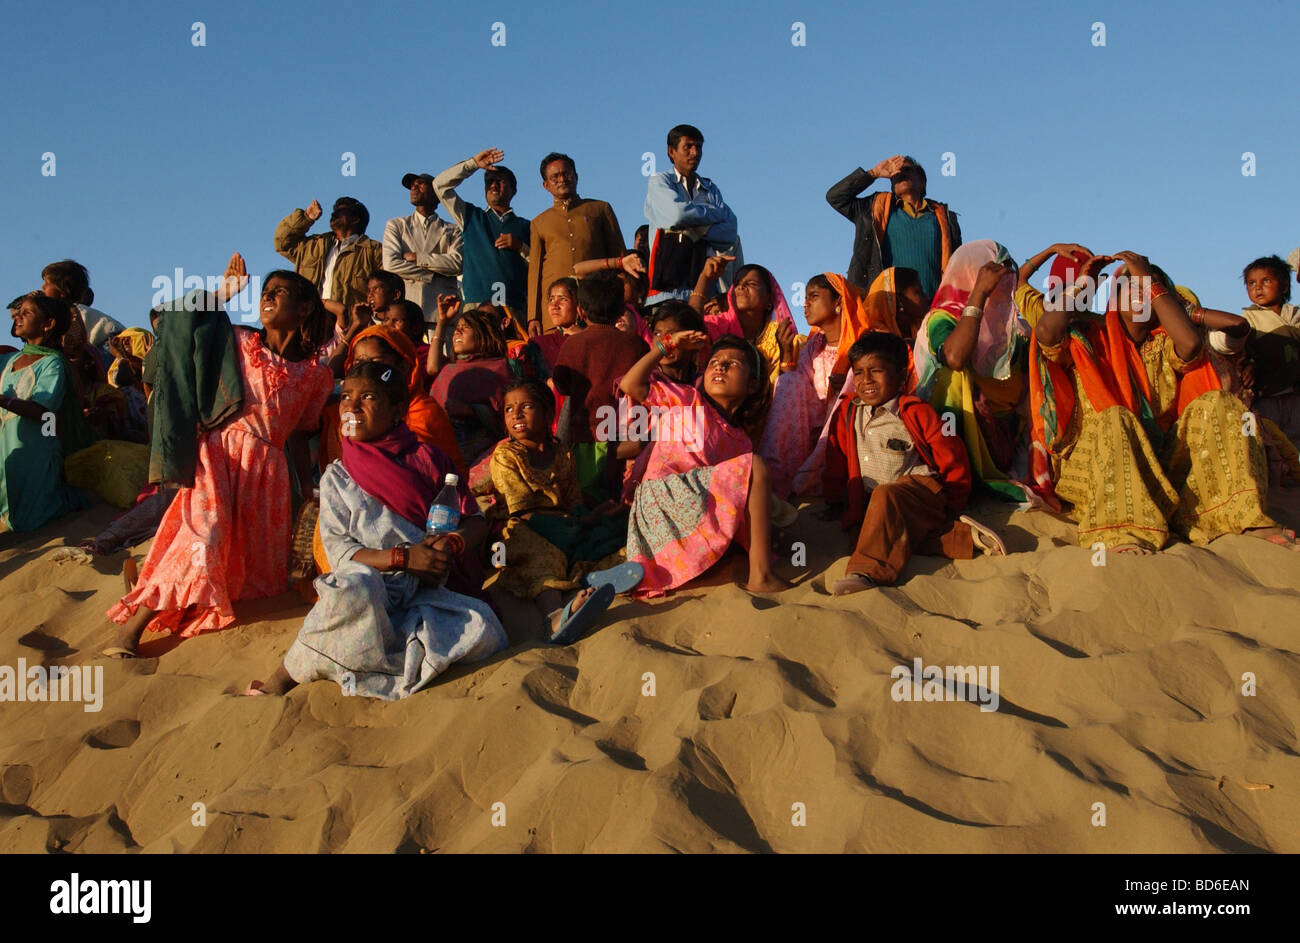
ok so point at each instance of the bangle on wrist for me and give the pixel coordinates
(972, 311)
(1197, 315)
(398, 557)
(662, 349)
(457, 542)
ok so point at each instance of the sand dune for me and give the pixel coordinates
(771, 726)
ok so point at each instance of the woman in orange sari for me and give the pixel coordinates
(1130, 424)
(424, 416)
(804, 398)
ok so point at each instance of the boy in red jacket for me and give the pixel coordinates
(895, 472)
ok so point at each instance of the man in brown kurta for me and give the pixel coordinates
(573, 230)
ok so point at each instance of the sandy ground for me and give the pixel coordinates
(771, 726)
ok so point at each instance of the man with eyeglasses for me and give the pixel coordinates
(573, 230)
(339, 262)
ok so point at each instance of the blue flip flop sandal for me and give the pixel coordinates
(574, 624)
(624, 578)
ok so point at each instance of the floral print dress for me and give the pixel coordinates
(690, 505)
(228, 537)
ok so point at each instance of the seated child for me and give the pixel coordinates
(551, 542)
(34, 383)
(703, 487)
(424, 416)
(469, 388)
(586, 371)
(562, 305)
(384, 625)
(666, 319)
(1271, 348)
(126, 375)
(895, 472)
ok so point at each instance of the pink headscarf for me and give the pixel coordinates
(396, 470)
(728, 322)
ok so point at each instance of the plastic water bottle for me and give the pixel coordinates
(444, 512)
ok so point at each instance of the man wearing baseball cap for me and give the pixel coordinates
(423, 249)
(339, 262)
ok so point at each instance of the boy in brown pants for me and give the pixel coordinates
(896, 473)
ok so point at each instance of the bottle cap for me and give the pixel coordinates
(452, 479)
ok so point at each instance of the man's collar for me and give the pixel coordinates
(344, 243)
(433, 214)
(508, 212)
(566, 204)
(925, 205)
(681, 178)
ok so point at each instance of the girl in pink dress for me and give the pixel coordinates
(703, 487)
(228, 537)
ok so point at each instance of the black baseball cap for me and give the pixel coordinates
(411, 178)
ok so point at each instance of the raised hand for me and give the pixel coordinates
(485, 159)
(313, 212)
(715, 265)
(785, 335)
(1135, 264)
(632, 264)
(990, 274)
(1072, 250)
(689, 340)
(888, 167)
(448, 305)
(234, 279)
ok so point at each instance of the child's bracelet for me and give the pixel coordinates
(457, 542)
(398, 558)
(662, 349)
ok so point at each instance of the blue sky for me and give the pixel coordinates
(170, 155)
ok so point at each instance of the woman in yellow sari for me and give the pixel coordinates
(1130, 422)
(970, 357)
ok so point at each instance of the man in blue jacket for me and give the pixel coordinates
(689, 220)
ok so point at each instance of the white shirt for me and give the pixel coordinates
(327, 280)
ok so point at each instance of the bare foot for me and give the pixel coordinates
(578, 599)
(279, 683)
(852, 583)
(1282, 536)
(768, 583)
(1133, 550)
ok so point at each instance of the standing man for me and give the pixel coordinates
(423, 249)
(573, 230)
(338, 263)
(923, 236)
(495, 240)
(689, 220)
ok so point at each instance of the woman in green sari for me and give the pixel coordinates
(38, 407)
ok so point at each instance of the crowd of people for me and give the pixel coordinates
(614, 420)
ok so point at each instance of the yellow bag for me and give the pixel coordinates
(113, 469)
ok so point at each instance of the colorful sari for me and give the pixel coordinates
(691, 504)
(1139, 441)
(986, 395)
(803, 397)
